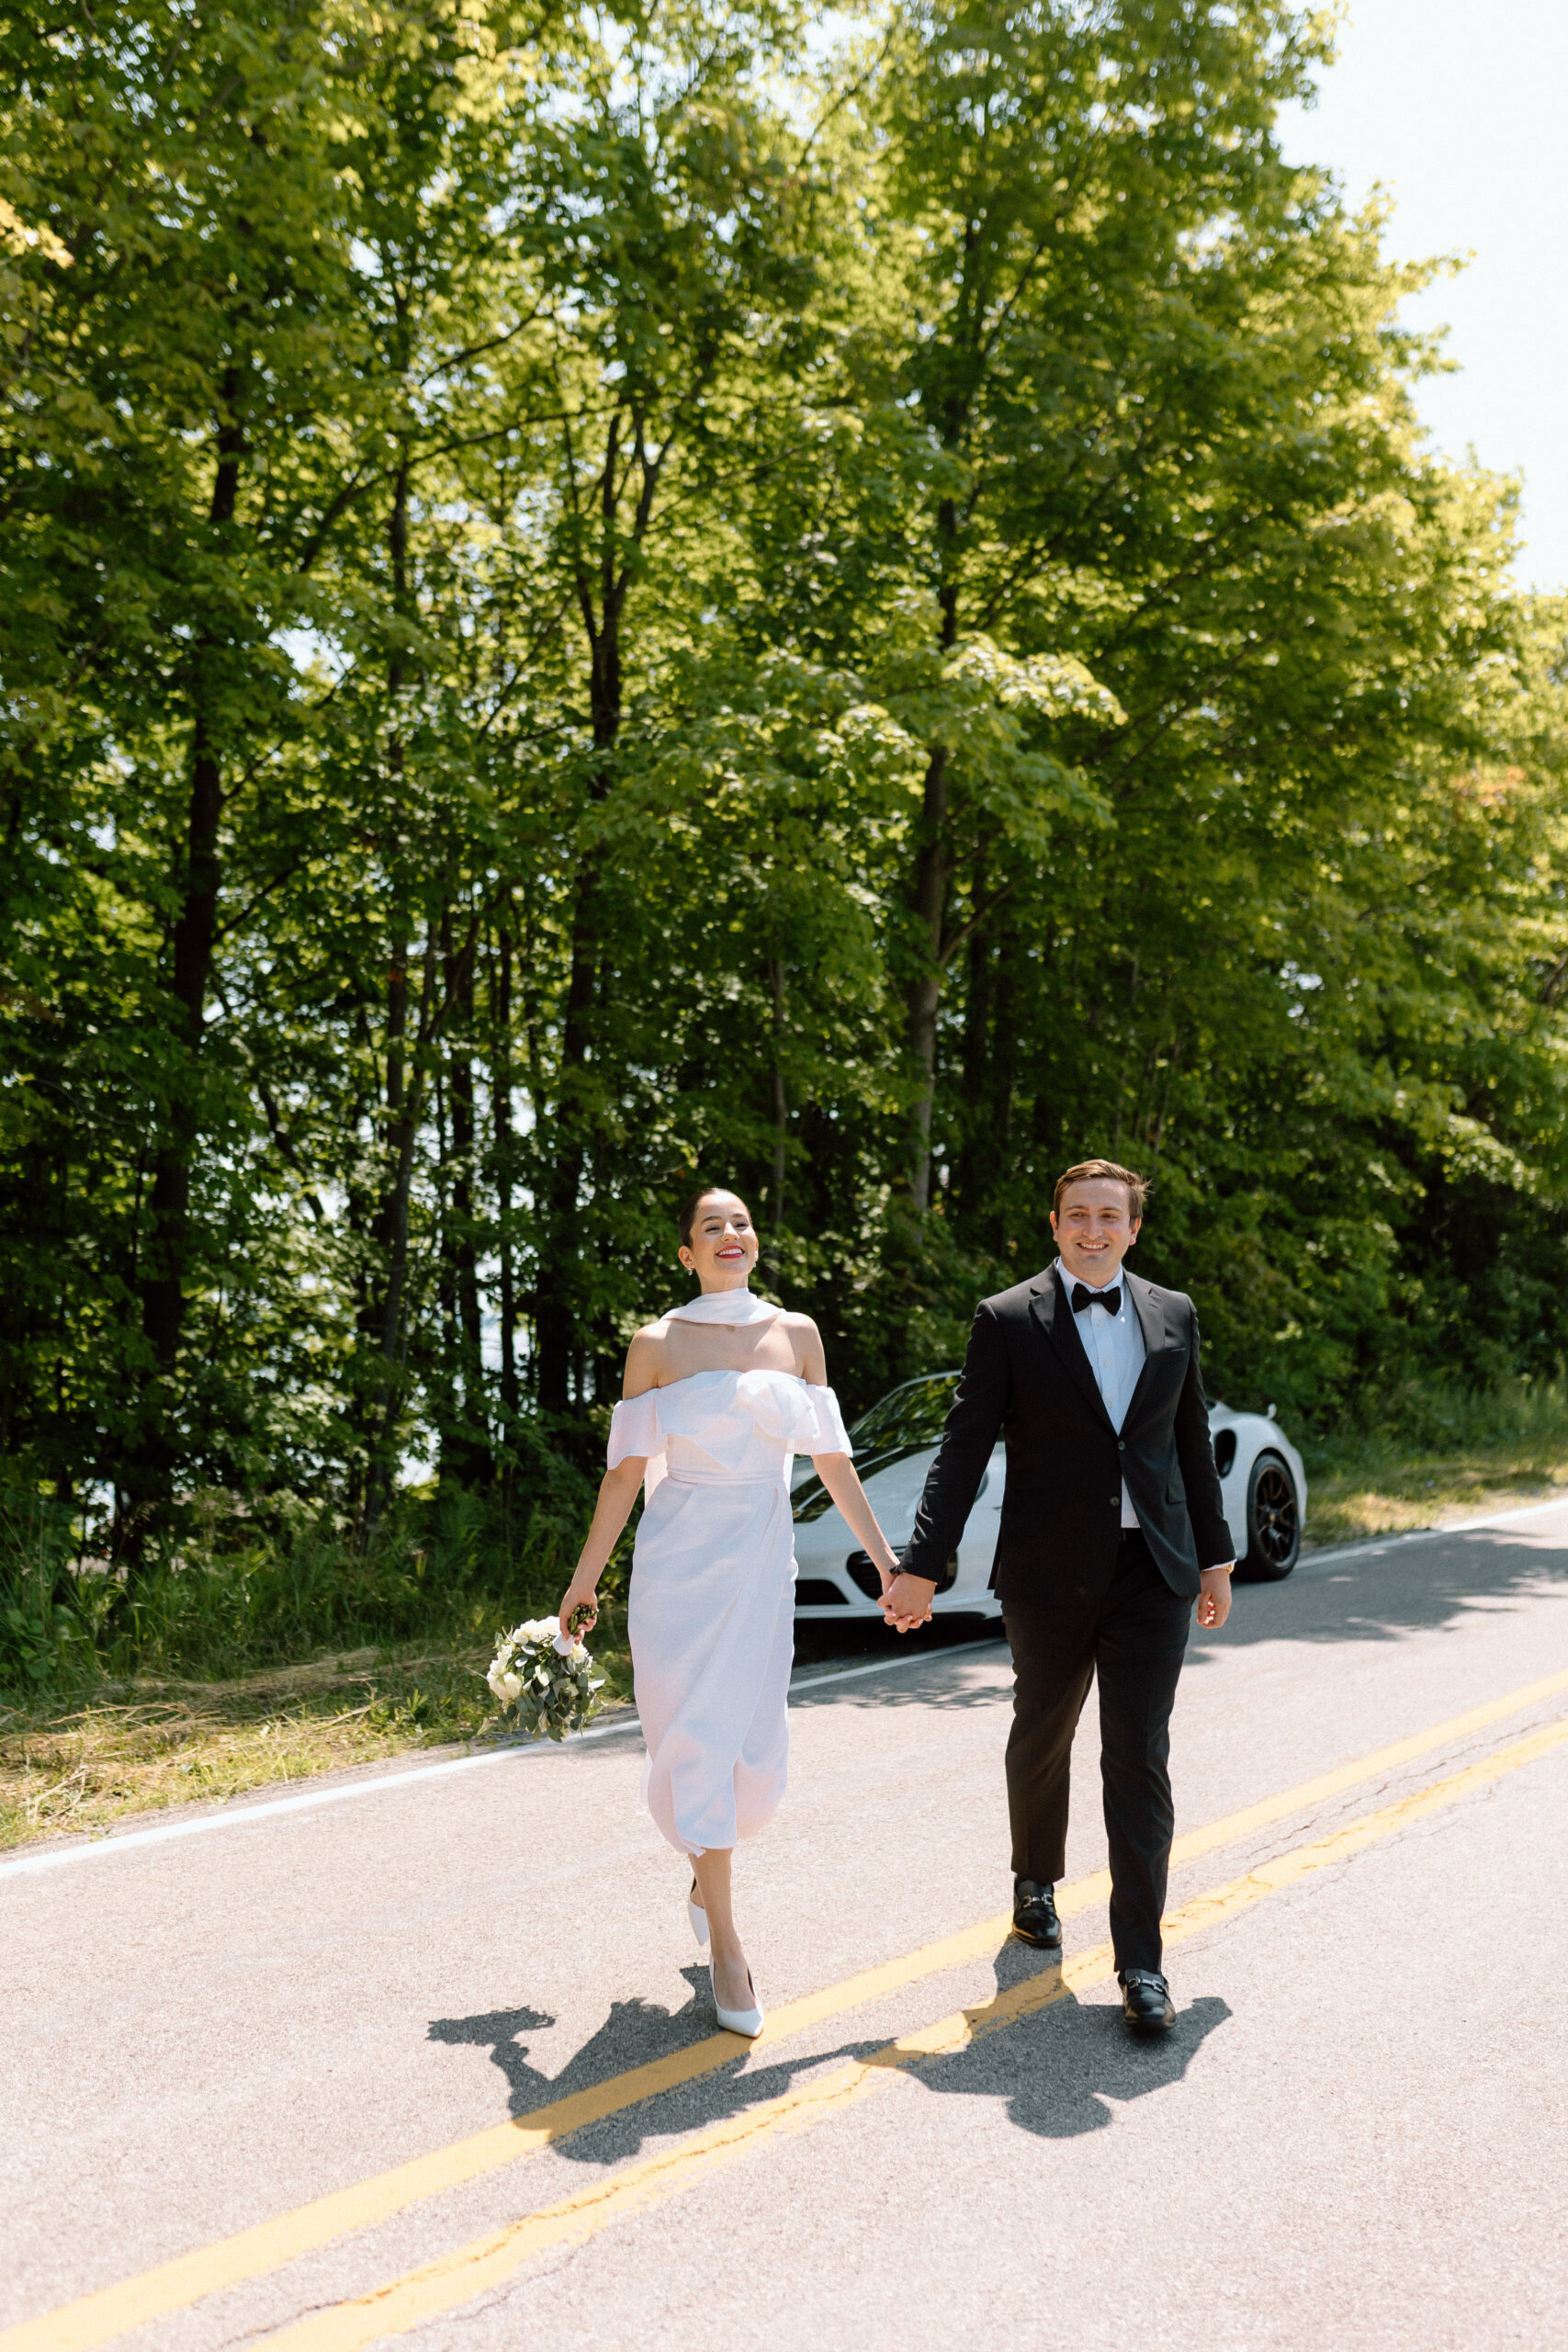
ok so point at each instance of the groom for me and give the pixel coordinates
(1112, 1526)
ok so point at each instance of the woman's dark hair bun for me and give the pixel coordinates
(689, 1208)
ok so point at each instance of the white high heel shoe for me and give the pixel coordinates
(699, 1920)
(747, 2021)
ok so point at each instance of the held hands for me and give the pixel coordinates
(905, 1600)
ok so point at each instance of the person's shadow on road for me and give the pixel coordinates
(633, 2034)
(1058, 2066)
(497, 2031)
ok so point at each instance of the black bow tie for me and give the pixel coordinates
(1109, 1299)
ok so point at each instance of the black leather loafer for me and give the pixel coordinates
(1145, 2001)
(1034, 1913)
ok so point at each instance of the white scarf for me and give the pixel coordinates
(723, 1307)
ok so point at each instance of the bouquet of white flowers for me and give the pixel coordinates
(549, 1680)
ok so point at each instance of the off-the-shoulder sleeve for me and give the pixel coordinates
(634, 1426)
(832, 1437)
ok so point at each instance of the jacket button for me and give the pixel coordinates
(1115, 1502)
(1121, 1445)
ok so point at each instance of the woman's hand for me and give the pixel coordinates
(617, 1492)
(836, 1472)
(580, 1594)
(912, 1605)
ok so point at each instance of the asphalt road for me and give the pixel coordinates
(1355, 2137)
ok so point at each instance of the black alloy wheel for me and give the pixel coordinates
(1273, 1521)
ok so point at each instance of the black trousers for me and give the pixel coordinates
(1134, 1635)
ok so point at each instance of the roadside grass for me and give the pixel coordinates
(261, 1645)
(138, 1743)
(264, 1657)
(1437, 1454)
(1404, 1496)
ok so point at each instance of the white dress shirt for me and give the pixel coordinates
(1114, 1346)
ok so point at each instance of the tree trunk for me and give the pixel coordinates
(381, 1314)
(780, 1100)
(402, 1132)
(557, 1291)
(446, 1382)
(471, 1461)
(933, 870)
(374, 1319)
(163, 1289)
(382, 1318)
(932, 875)
(1001, 1076)
(166, 1259)
(976, 1154)
(500, 1110)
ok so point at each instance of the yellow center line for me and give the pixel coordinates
(456, 2278)
(94, 2319)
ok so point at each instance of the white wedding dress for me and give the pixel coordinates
(712, 1605)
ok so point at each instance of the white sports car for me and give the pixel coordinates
(1261, 1479)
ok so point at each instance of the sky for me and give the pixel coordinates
(1459, 108)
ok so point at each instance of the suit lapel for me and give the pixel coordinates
(1053, 1310)
(1150, 1313)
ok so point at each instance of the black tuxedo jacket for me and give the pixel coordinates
(1027, 1373)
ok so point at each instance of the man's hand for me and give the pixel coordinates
(907, 1602)
(1213, 1598)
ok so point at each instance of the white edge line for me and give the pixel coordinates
(120, 1842)
(116, 1842)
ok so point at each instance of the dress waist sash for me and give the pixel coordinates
(723, 1478)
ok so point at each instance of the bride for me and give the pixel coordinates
(718, 1395)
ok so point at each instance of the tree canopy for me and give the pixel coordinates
(854, 605)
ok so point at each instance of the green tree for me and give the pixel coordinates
(591, 599)
(179, 331)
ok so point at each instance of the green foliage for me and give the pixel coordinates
(237, 1586)
(46, 1621)
(583, 601)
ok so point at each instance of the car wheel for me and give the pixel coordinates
(1273, 1521)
